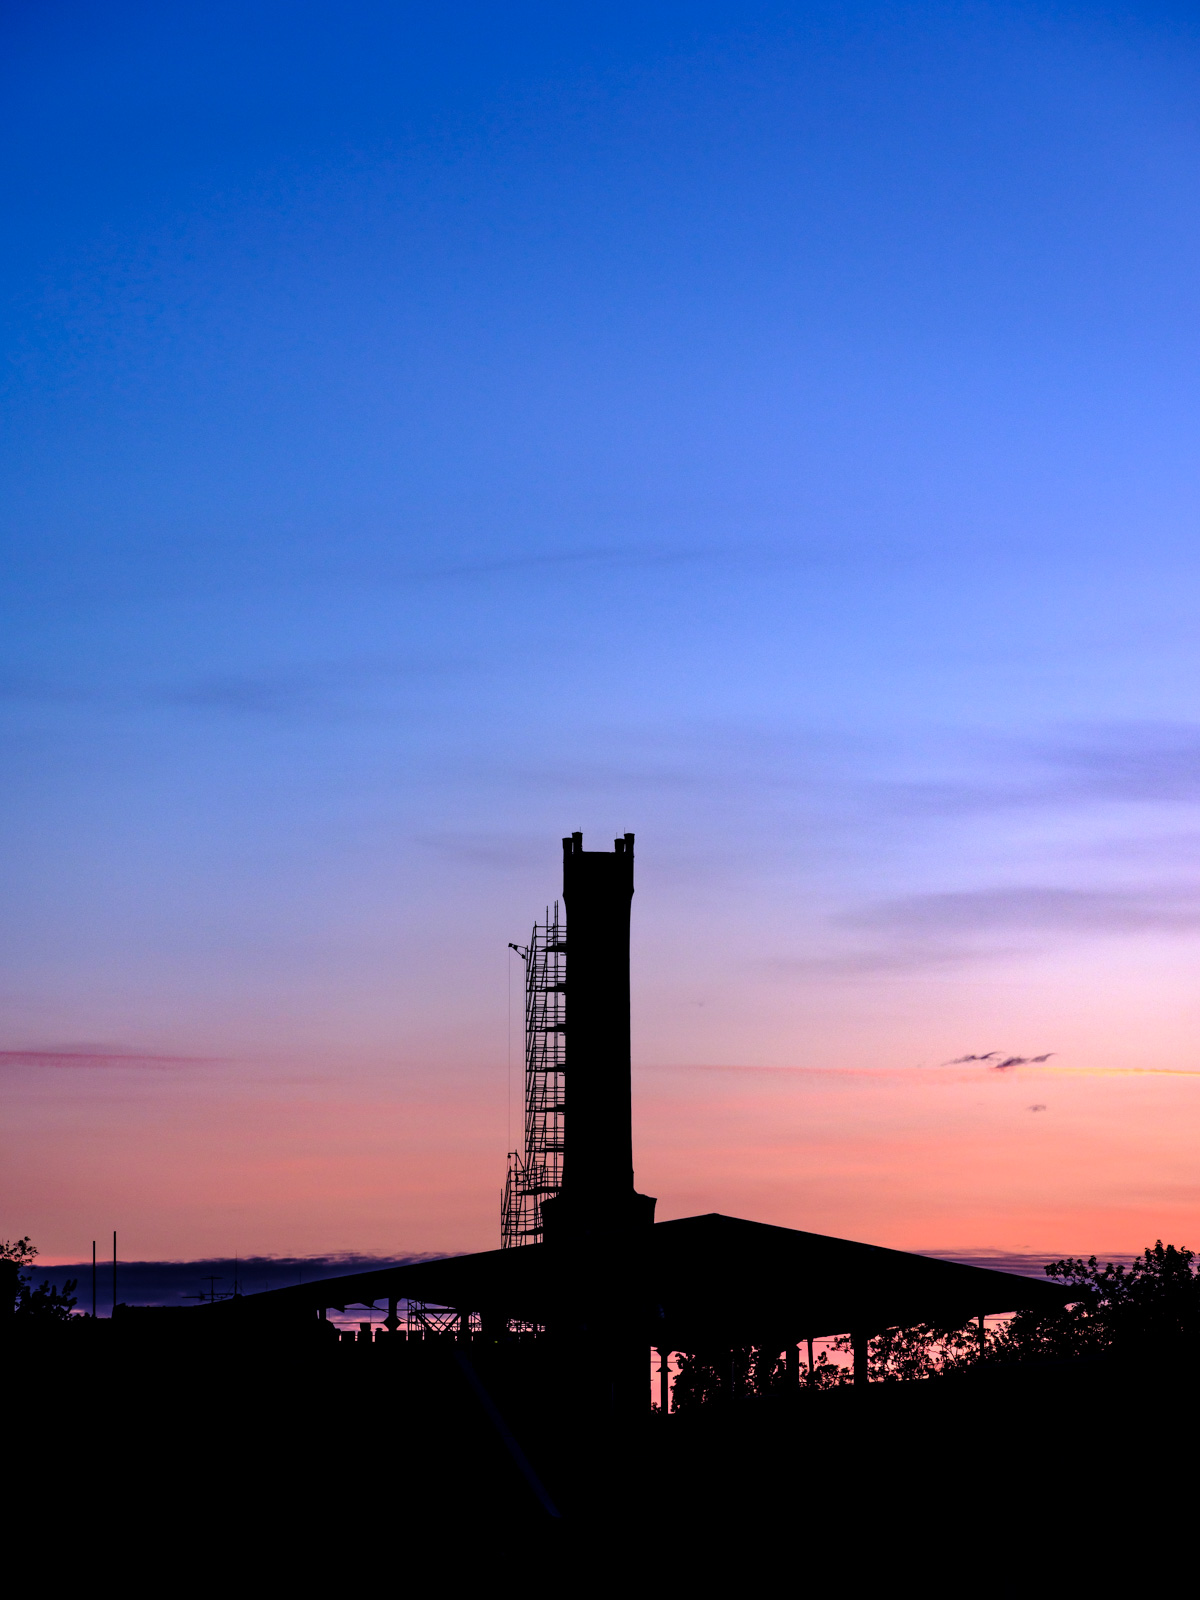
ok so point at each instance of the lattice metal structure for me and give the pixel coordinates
(424, 1321)
(535, 1173)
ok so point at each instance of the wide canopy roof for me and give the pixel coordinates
(699, 1281)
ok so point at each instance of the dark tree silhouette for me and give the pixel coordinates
(1148, 1311)
(44, 1304)
(901, 1355)
(709, 1376)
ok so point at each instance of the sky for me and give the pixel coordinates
(766, 429)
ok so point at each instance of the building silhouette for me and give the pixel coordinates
(582, 1265)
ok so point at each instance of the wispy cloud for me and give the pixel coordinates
(503, 850)
(1027, 1263)
(920, 932)
(1122, 1072)
(24, 688)
(1130, 762)
(319, 689)
(87, 1057)
(759, 1070)
(1037, 908)
(283, 695)
(1140, 761)
(1081, 1071)
(322, 690)
(612, 556)
(883, 961)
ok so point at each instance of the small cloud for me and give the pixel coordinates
(1035, 1108)
(1001, 1066)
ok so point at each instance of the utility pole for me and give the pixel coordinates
(114, 1304)
(93, 1280)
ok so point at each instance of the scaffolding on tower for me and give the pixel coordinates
(535, 1174)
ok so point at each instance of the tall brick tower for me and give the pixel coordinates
(598, 1199)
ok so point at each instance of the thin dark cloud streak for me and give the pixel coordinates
(991, 1059)
(102, 1058)
(1027, 1264)
(178, 1282)
(760, 1070)
(943, 929)
(623, 556)
(902, 1070)
(727, 766)
(883, 961)
(1132, 761)
(1035, 909)
(326, 691)
(495, 850)
(842, 774)
(1135, 763)
(769, 550)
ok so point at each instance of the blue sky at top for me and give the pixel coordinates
(768, 428)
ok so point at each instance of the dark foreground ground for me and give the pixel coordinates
(159, 1463)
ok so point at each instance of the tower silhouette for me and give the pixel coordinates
(597, 1200)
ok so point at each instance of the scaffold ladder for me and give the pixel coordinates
(535, 1173)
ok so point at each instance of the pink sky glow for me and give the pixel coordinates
(254, 1158)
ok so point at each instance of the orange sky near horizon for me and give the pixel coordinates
(369, 1109)
(218, 1159)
